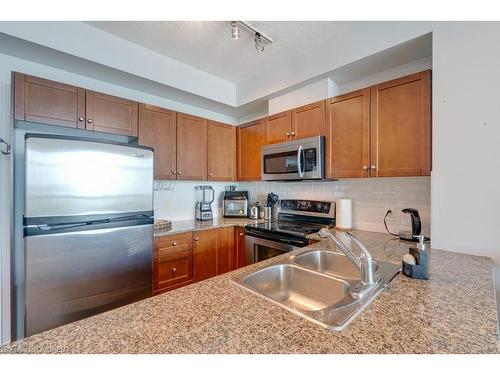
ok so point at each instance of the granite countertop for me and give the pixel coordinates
(183, 226)
(453, 312)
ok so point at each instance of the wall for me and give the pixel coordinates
(179, 203)
(466, 140)
(310, 93)
(372, 197)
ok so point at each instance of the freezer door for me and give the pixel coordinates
(70, 276)
(68, 176)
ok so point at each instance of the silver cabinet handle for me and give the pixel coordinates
(287, 134)
(210, 174)
(174, 172)
(174, 243)
(242, 234)
(365, 167)
(174, 270)
(90, 121)
(196, 238)
(293, 134)
(179, 173)
(81, 118)
(373, 167)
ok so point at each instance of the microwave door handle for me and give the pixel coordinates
(299, 161)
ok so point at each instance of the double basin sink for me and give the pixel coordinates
(320, 285)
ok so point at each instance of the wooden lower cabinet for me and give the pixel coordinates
(205, 254)
(213, 252)
(226, 254)
(239, 246)
(172, 262)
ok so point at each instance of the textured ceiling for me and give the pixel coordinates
(208, 45)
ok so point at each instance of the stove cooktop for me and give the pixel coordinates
(289, 227)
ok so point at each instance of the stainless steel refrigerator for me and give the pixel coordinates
(88, 228)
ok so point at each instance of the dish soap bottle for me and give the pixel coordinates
(416, 265)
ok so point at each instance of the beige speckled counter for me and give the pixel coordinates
(191, 225)
(453, 312)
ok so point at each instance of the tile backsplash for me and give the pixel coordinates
(371, 198)
(179, 202)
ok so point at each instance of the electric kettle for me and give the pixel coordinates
(407, 215)
(416, 225)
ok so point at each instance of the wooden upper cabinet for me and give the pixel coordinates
(191, 147)
(48, 102)
(250, 141)
(110, 114)
(401, 127)
(204, 254)
(347, 140)
(157, 129)
(278, 127)
(221, 152)
(309, 120)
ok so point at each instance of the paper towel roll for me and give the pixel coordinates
(343, 215)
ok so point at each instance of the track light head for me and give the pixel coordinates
(235, 30)
(259, 46)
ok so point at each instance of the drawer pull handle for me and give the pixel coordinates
(242, 234)
(174, 243)
(196, 238)
(174, 270)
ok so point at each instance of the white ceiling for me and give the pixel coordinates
(208, 45)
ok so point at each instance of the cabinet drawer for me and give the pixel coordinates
(175, 243)
(173, 271)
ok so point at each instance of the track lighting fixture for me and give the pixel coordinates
(259, 38)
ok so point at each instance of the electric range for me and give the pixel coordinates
(297, 218)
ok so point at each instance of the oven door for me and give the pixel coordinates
(258, 249)
(297, 160)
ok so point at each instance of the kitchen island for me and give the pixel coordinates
(453, 312)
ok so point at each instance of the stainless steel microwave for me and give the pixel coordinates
(303, 159)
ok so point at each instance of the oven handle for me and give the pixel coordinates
(299, 161)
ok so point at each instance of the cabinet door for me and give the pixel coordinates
(401, 127)
(110, 114)
(309, 121)
(226, 255)
(204, 254)
(239, 244)
(173, 262)
(221, 152)
(347, 141)
(250, 140)
(191, 147)
(48, 102)
(278, 127)
(157, 129)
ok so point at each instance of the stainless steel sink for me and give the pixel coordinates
(330, 263)
(298, 288)
(321, 285)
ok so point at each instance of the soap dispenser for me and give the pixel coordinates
(416, 263)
